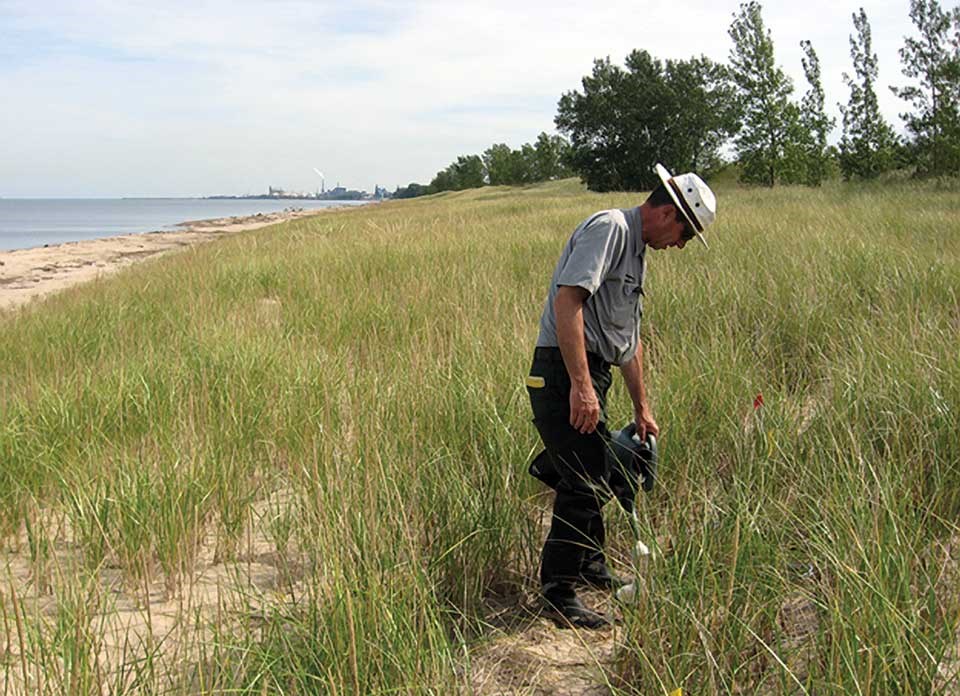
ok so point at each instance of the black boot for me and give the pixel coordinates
(600, 577)
(568, 611)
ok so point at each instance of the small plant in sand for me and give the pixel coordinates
(134, 496)
(233, 494)
(75, 645)
(39, 546)
(279, 520)
(179, 523)
(89, 515)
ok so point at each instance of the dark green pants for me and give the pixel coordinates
(575, 542)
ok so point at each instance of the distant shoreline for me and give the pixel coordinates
(30, 274)
(32, 223)
(265, 197)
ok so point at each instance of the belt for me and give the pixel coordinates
(553, 354)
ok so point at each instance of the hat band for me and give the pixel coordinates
(687, 210)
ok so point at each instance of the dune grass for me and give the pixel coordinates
(352, 385)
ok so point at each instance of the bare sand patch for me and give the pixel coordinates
(535, 657)
(524, 652)
(116, 626)
(947, 679)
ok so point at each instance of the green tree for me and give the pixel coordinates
(626, 120)
(769, 121)
(524, 165)
(497, 160)
(590, 119)
(868, 145)
(815, 123)
(933, 59)
(411, 191)
(548, 158)
(506, 167)
(444, 180)
(704, 104)
(466, 172)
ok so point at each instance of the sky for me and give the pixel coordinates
(110, 98)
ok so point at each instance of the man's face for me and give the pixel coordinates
(673, 230)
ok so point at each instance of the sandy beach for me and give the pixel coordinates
(26, 274)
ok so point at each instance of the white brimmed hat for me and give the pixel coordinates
(693, 198)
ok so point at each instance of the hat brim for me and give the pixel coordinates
(665, 177)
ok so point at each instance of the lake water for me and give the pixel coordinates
(33, 222)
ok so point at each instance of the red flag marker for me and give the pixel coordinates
(758, 402)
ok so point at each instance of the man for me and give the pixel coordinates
(592, 321)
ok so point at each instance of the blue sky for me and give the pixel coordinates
(109, 98)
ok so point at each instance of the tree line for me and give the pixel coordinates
(689, 113)
(499, 165)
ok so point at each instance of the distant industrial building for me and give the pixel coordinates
(337, 193)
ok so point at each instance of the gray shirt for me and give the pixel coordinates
(605, 257)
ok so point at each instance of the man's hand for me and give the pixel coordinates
(646, 423)
(584, 408)
(632, 371)
(584, 405)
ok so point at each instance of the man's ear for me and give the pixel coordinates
(668, 213)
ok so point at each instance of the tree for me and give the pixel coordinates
(466, 172)
(816, 125)
(548, 158)
(934, 60)
(444, 180)
(626, 120)
(524, 164)
(498, 161)
(591, 121)
(704, 105)
(411, 191)
(868, 144)
(506, 167)
(768, 119)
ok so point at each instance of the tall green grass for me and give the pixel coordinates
(351, 386)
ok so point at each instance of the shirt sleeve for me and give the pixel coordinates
(594, 247)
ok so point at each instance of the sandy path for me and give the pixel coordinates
(27, 274)
(947, 679)
(526, 653)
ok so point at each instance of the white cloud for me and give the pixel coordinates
(117, 98)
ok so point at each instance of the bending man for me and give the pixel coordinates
(592, 321)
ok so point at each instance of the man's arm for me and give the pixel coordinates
(632, 372)
(584, 405)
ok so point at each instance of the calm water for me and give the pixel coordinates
(33, 222)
